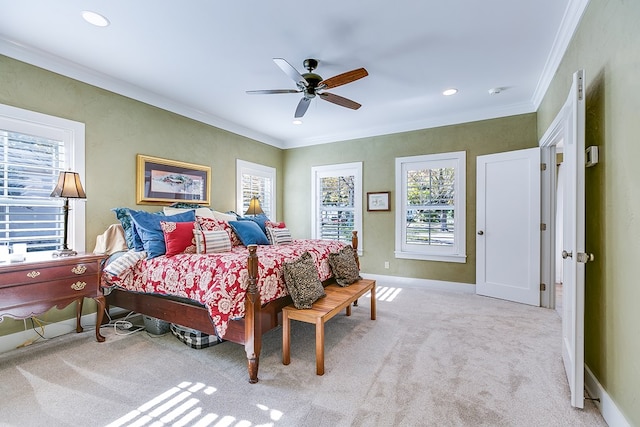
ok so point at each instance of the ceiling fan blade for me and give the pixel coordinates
(339, 100)
(270, 91)
(303, 105)
(343, 79)
(291, 72)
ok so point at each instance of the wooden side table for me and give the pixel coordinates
(34, 286)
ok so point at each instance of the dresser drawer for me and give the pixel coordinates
(35, 274)
(49, 292)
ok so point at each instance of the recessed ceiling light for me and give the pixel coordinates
(450, 92)
(95, 18)
(297, 122)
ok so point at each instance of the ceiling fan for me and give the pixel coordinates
(311, 84)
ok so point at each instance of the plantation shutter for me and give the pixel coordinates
(337, 207)
(430, 206)
(29, 169)
(258, 186)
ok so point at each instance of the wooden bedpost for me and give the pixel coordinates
(354, 245)
(252, 326)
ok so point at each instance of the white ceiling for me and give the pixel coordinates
(198, 57)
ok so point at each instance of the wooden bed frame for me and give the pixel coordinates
(247, 331)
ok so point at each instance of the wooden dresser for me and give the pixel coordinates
(34, 286)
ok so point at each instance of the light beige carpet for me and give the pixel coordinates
(431, 359)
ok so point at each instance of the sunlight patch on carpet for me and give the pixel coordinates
(181, 406)
(386, 293)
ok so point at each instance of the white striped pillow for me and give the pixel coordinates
(212, 241)
(124, 262)
(279, 236)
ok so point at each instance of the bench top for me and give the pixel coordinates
(337, 299)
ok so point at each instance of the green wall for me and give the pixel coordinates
(116, 129)
(607, 47)
(378, 156)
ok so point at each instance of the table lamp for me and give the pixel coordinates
(69, 186)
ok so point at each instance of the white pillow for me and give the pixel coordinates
(124, 262)
(223, 216)
(279, 236)
(204, 212)
(212, 241)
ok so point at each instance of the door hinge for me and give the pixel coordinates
(543, 287)
(543, 227)
(543, 166)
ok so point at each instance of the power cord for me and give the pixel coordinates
(122, 326)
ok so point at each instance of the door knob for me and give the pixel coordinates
(566, 254)
(480, 233)
(585, 257)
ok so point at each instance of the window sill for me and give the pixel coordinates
(432, 257)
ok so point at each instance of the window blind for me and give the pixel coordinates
(29, 169)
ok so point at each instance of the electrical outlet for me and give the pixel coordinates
(386, 264)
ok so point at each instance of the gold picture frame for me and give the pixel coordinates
(378, 201)
(163, 181)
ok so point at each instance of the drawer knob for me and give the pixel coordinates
(78, 286)
(79, 269)
(33, 274)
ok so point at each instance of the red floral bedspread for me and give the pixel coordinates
(219, 281)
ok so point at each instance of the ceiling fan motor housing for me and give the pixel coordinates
(313, 79)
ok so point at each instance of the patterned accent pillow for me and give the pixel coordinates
(178, 237)
(302, 281)
(124, 262)
(212, 241)
(214, 224)
(344, 267)
(279, 236)
(127, 225)
(271, 224)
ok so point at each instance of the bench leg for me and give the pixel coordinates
(286, 335)
(373, 302)
(320, 346)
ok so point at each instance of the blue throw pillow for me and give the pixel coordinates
(259, 219)
(249, 233)
(148, 227)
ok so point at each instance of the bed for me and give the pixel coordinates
(237, 295)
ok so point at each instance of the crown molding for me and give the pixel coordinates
(570, 20)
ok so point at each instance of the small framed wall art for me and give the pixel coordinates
(378, 201)
(162, 181)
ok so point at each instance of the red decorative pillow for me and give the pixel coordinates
(213, 224)
(272, 224)
(178, 237)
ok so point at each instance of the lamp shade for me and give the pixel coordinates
(69, 186)
(254, 207)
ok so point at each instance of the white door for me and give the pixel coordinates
(568, 129)
(508, 226)
(573, 252)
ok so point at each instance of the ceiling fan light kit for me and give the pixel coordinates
(311, 84)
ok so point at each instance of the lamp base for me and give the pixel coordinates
(64, 252)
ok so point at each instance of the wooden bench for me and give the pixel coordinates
(337, 299)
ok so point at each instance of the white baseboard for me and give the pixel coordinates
(606, 405)
(437, 285)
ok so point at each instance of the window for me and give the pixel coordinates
(430, 220)
(259, 181)
(34, 148)
(336, 201)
